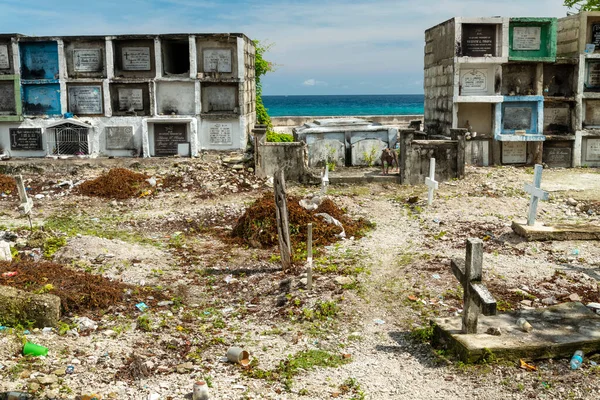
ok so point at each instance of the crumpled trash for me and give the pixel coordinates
(330, 220)
(379, 321)
(85, 324)
(311, 204)
(142, 306)
(9, 274)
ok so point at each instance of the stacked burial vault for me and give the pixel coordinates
(149, 95)
(526, 86)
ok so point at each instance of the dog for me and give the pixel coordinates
(388, 158)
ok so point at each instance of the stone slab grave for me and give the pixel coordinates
(537, 231)
(558, 331)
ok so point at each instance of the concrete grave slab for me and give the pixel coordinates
(558, 331)
(542, 232)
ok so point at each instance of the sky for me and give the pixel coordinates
(320, 47)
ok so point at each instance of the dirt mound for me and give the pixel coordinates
(259, 223)
(78, 291)
(118, 183)
(7, 184)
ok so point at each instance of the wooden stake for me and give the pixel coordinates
(283, 227)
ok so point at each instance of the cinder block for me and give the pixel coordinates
(20, 307)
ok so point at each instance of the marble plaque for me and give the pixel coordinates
(119, 138)
(527, 38)
(25, 138)
(167, 137)
(596, 35)
(219, 98)
(474, 81)
(131, 99)
(557, 156)
(217, 60)
(220, 133)
(514, 152)
(7, 97)
(593, 75)
(87, 60)
(479, 40)
(593, 150)
(85, 99)
(4, 58)
(557, 119)
(517, 118)
(136, 59)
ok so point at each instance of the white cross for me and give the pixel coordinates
(536, 193)
(325, 180)
(431, 183)
(26, 203)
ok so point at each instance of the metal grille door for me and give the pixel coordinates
(68, 139)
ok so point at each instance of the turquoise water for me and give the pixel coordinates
(336, 105)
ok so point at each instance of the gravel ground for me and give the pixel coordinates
(228, 294)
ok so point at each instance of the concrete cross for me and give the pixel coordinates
(430, 181)
(536, 194)
(26, 203)
(476, 296)
(325, 180)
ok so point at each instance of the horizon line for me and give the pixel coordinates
(370, 94)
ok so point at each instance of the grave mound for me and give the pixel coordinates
(258, 224)
(118, 183)
(7, 184)
(80, 292)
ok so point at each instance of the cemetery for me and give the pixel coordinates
(128, 95)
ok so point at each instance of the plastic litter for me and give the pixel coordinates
(577, 359)
(379, 321)
(70, 369)
(85, 324)
(10, 274)
(524, 325)
(142, 306)
(575, 252)
(32, 349)
(311, 203)
(436, 276)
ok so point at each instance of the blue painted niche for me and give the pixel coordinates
(520, 114)
(41, 99)
(39, 60)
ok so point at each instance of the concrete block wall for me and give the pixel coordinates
(440, 49)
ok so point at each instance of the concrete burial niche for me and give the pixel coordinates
(41, 99)
(592, 76)
(217, 56)
(221, 133)
(514, 152)
(39, 60)
(176, 57)
(519, 79)
(24, 141)
(130, 99)
(134, 58)
(169, 139)
(520, 119)
(592, 113)
(591, 151)
(480, 40)
(560, 80)
(85, 58)
(558, 153)
(6, 57)
(85, 99)
(220, 98)
(532, 39)
(558, 117)
(479, 79)
(175, 98)
(345, 141)
(8, 99)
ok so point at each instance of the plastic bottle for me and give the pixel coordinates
(577, 359)
(524, 325)
(200, 391)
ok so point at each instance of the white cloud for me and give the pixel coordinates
(314, 82)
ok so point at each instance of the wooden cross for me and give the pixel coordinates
(536, 194)
(476, 296)
(431, 182)
(283, 226)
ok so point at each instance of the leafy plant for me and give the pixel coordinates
(52, 245)
(261, 67)
(275, 137)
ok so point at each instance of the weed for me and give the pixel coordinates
(52, 245)
(422, 335)
(144, 323)
(351, 385)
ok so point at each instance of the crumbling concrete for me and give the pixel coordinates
(19, 307)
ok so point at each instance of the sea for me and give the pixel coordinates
(340, 105)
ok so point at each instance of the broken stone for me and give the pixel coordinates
(281, 300)
(574, 297)
(20, 307)
(285, 285)
(572, 202)
(549, 301)
(47, 379)
(527, 303)
(85, 324)
(33, 387)
(495, 331)
(343, 280)
(185, 367)
(59, 372)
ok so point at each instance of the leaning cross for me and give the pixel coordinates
(26, 203)
(430, 181)
(536, 194)
(477, 298)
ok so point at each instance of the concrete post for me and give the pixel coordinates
(459, 136)
(406, 138)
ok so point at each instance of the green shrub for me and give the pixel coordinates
(279, 137)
